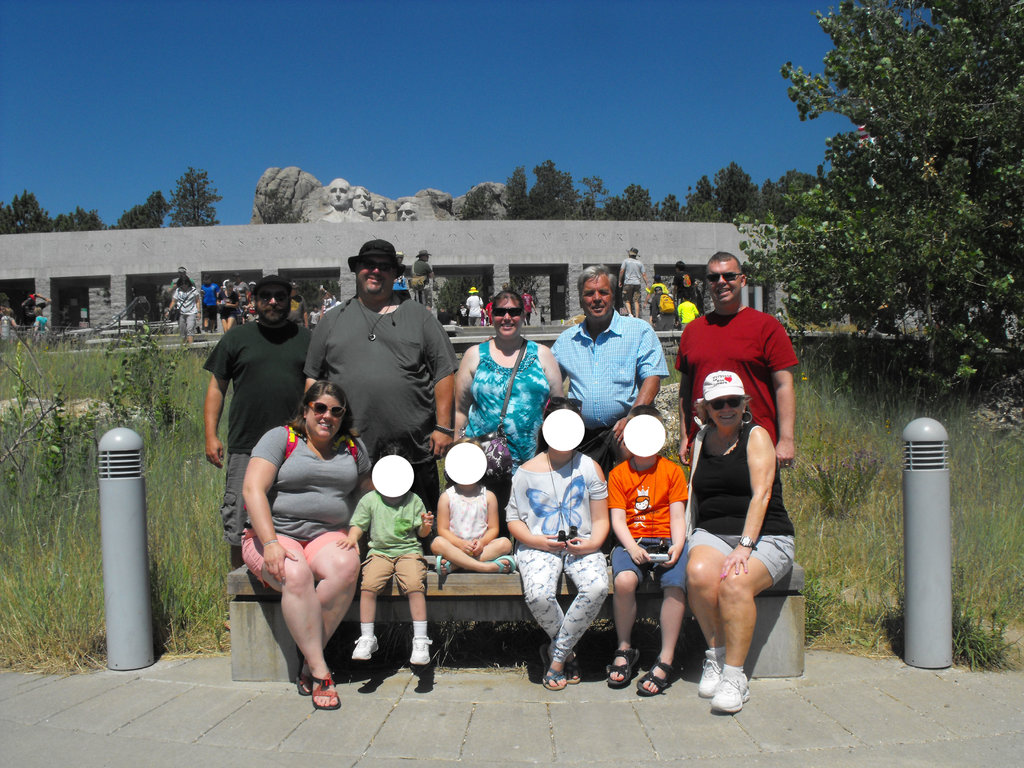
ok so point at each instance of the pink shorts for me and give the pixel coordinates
(252, 548)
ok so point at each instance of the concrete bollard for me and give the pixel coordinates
(125, 551)
(927, 546)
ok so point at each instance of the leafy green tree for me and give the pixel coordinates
(193, 199)
(276, 209)
(592, 199)
(735, 193)
(24, 215)
(669, 209)
(780, 198)
(700, 202)
(477, 205)
(518, 203)
(78, 221)
(634, 205)
(452, 293)
(148, 215)
(553, 194)
(917, 227)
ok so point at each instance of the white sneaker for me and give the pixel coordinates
(710, 679)
(731, 694)
(420, 651)
(365, 648)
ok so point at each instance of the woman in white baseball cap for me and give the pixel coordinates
(742, 540)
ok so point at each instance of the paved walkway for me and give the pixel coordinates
(845, 711)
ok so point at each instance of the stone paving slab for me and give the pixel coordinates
(515, 730)
(56, 694)
(118, 706)
(186, 717)
(844, 711)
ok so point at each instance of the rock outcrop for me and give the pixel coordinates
(290, 195)
(287, 189)
(492, 200)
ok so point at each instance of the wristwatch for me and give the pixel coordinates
(746, 541)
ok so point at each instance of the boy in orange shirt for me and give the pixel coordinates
(647, 501)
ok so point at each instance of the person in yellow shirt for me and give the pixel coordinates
(687, 312)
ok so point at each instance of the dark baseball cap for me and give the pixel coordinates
(275, 280)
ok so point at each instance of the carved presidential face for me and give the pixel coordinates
(407, 212)
(361, 203)
(339, 194)
(380, 211)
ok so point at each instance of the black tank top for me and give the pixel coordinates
(722, 487)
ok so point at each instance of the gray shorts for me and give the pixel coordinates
(188, 325)
(776, 552)
(232, 508)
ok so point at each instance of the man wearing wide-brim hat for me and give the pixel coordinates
(422, 278)
(395, 363)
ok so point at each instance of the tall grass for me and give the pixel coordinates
(51, 585)
(844, 496)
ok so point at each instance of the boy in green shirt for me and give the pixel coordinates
(397, 520)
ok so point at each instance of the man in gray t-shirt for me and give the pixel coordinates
(396, 365)
(631, 274)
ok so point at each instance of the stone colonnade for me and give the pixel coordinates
(90, 276)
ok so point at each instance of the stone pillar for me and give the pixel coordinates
(501, 277)
(572, 295)
(119, 292)
(44, 287)
(346, 285)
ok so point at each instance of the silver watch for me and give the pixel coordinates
(746, 541)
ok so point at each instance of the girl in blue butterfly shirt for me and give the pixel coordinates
(560, 491)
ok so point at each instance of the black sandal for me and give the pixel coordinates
(632, 656)
(661, 684)
(304, 683)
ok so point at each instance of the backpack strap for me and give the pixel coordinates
(293, 440)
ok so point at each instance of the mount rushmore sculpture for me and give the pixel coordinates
(292, 195)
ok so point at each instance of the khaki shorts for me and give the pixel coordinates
(629, 292)
(410, 572)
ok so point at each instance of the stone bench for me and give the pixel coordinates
(262, 648)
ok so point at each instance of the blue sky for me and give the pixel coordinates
(103, 102)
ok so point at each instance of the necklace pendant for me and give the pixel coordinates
(372, 337)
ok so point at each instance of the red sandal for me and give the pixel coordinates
(320, 687)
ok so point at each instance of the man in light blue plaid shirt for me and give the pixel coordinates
(612, 363)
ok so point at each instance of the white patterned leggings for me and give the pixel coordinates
(540, 572)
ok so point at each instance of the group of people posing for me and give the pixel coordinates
(554, 449)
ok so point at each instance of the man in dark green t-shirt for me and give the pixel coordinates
(263, 361)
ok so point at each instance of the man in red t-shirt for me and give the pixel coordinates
(738, 338)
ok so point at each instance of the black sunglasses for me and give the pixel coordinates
(732, 402)
(280, 297)
(337, 411)
(727, 276)
(510, 311)
(382, 266)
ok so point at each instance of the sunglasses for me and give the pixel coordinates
(510, 311)
(732, 402)
(727, 276)
(381, 266)
(280, 297)
(337, 411)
